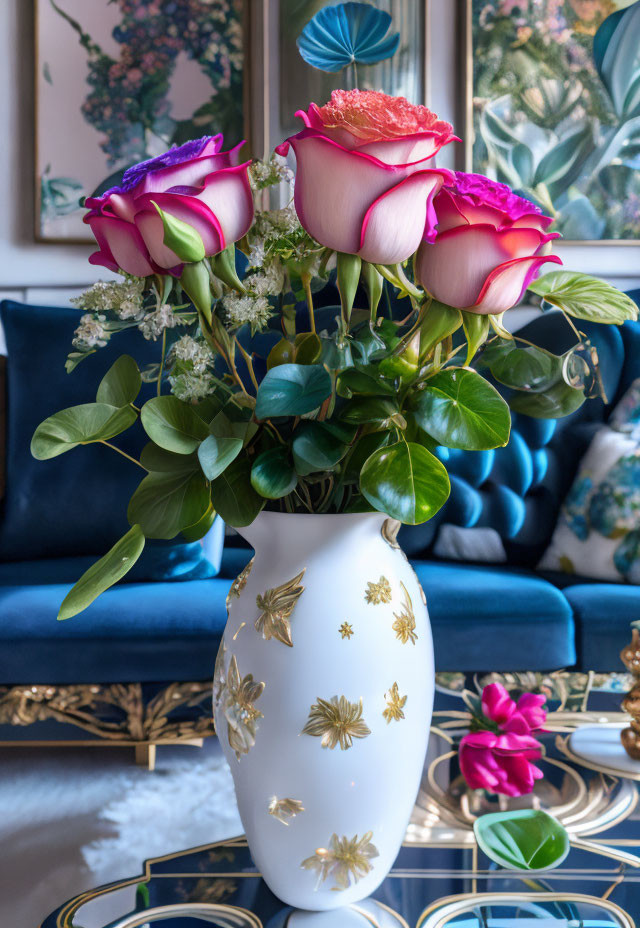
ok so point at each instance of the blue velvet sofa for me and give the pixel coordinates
(135, 667)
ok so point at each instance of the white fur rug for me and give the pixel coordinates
(73, 819)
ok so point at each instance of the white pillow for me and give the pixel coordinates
(598, 530)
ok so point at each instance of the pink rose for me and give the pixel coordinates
(490, 244)
(196, 183)
(363, 181)
(499, 758)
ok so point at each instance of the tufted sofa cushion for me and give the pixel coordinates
(518, 490)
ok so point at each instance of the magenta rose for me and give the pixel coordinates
(196, 183)
(364, 177)
(490, 244)
(498, 755)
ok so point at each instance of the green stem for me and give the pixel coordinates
(249, 363)
(306, 283)
(161, 371)
(123, 453)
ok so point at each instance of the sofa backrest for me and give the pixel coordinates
(518, 490)
(75, 504)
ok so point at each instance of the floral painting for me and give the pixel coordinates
(120, 80)
(556, 108)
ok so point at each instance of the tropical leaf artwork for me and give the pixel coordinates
(556, 101)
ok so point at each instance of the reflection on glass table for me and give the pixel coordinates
(440, 878)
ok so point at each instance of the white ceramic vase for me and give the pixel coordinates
(323, 694)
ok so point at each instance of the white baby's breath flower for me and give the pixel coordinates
(193, 352)
(91, 332)
(154, 324)
(268, 173)
(191, 386)
(245, 309)
(113, 295)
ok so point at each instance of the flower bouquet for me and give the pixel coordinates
(313, 361)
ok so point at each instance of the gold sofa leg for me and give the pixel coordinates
(146, 755)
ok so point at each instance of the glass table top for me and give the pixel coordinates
(440, 878)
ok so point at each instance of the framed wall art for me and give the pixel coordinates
(118, 81)
(552, 107)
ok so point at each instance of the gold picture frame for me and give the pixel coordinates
(465, 116)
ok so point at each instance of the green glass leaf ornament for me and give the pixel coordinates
(460, 409)
(527, 839)
(345, 34)
(104, 573)
(406, 482)
(557, 402)
(121, 384)
(585, 297)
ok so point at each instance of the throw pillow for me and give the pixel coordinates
(598, 530)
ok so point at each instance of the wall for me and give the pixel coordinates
(50, 273)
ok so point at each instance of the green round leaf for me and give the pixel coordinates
(316, 448)
(585, 297)
(104, 573)
(362, 450)
(308, 348)
(155, 458)
(215, 454)
(366, 383)
(164, 504)
(406, 482)
(292, 390)
(461, 410)
(121, 384)
(528, 839)
(79, 425)
(173, 424)
(561, 400)
(272, 474)
(233, 496)
(375, 409)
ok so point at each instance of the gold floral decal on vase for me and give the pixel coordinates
(239, 583)
(336, 721)
(345, 859)
(240, 694)
(346, 630)
(285, 809)
(379, 592)
(405, 623)
(276, 607)
(395, 705)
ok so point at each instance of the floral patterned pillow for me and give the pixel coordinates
(598, 530)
